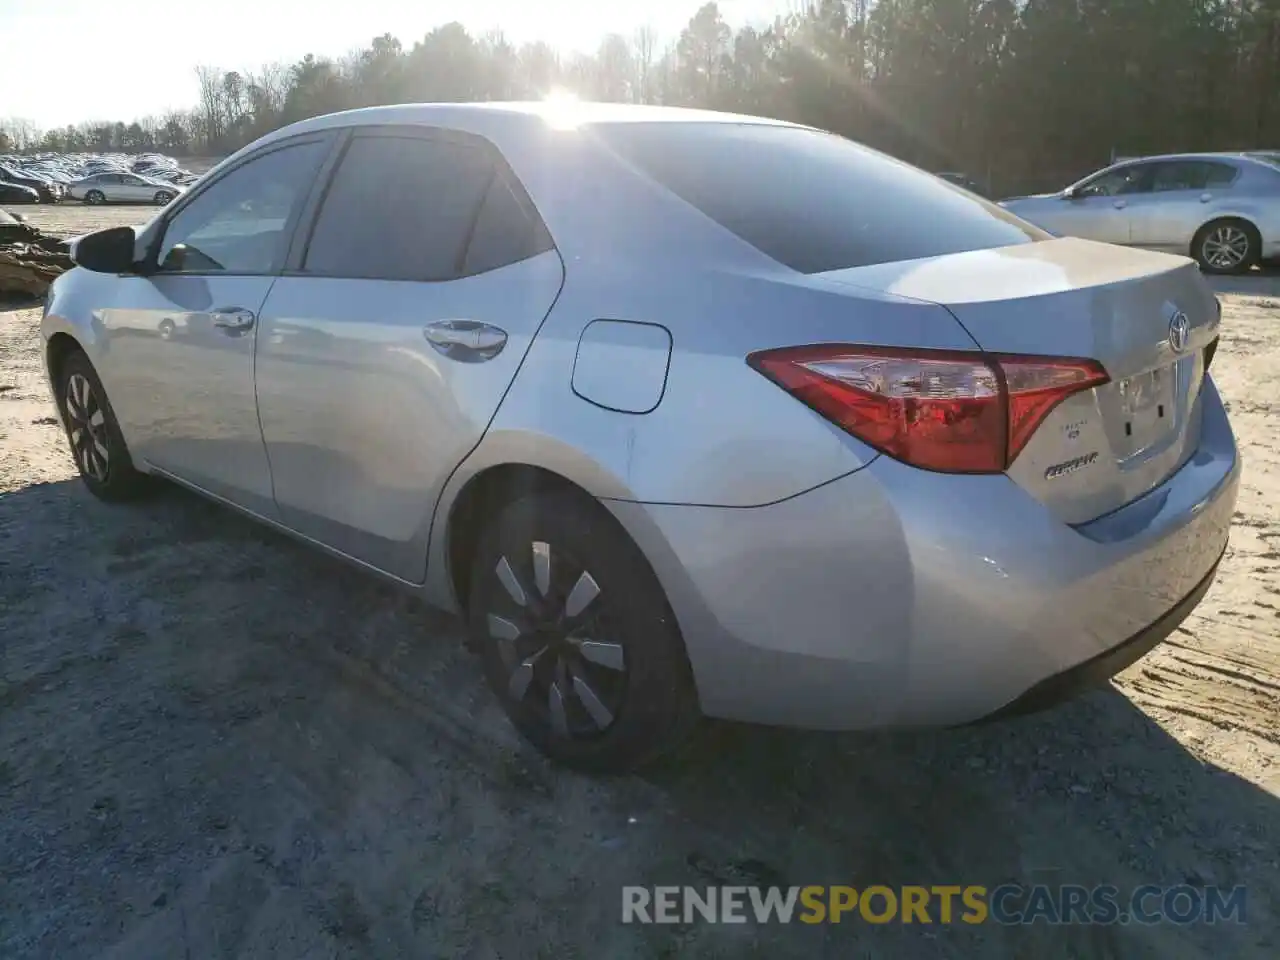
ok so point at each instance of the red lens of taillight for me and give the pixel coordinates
(950, 411)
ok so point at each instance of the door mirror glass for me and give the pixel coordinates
(107, 251)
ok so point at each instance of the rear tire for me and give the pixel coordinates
(1227, 246)
(576, 637)
(97, 446)
(163, 198)
(94, 197)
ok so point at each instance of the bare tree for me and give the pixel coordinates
(211, 95)
(644, 46)
(22, 134)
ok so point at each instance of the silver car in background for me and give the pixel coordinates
(685, 413)
(120, 187)
(1223, 209)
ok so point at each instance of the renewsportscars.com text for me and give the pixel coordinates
(1008, 904)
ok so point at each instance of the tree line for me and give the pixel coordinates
(1019, 94)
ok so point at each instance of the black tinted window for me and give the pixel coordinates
(506, 230)
(1191, 175)
(399, 208)
(1219, 174)
(810, 200)
(1135, 178)
(238, 224)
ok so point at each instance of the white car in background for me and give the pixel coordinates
(122, 188)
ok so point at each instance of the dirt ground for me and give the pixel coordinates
(214, 743)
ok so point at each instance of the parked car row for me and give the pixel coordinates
(92, 178)
(17, 193)
(1223, 209)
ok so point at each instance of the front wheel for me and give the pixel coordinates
(94, 196)
(1227, 246)
(577, 639)
(94, 433)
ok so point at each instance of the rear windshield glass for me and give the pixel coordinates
(811, 200)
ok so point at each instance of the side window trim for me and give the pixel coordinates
(504, 178)
(464, 250)
(305, 227)
(321, 137)
(309, 212)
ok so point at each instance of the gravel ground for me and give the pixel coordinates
(214, 743)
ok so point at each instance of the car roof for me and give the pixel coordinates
(1204, 155)
(505, 119)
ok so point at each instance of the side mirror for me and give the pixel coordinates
(1070, 194)
(107, 251)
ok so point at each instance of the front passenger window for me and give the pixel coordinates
(238, 225)
(1117, 183)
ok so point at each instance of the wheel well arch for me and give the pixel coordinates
(482, 495)
(1224, 218)
(1244, 221)
(59, 347)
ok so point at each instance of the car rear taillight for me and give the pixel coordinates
(950, 411)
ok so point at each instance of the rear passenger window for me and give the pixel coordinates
(1219, 175)
(506, 230)
(399, 208)
(1192, 175)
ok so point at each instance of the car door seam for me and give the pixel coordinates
(257, 406)
(435, 510)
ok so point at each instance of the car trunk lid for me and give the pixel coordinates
(1146, 317)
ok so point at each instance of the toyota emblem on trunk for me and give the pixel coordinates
(1179, 331)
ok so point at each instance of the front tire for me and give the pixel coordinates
(1227, 246)
(577, 640)
(97, 446)
(95, 197)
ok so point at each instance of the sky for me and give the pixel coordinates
(67, 61)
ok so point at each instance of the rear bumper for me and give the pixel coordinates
(1099, 669)
(893, 597)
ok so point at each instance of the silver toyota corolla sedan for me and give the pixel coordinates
(1223, 209)
(686, 413)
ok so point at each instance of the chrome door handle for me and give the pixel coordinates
(233, 318)
(469, 341)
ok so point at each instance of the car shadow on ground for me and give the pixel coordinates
(213, 740)
(13, 303)
(1262, 281)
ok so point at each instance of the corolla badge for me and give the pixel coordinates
(1071, 466)
(1179, 331)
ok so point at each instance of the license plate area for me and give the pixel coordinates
(1148, 411)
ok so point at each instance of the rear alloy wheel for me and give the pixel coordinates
(94, 434)
(163, 197)
(576, 637)
(1227, 246)
(94, 196)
